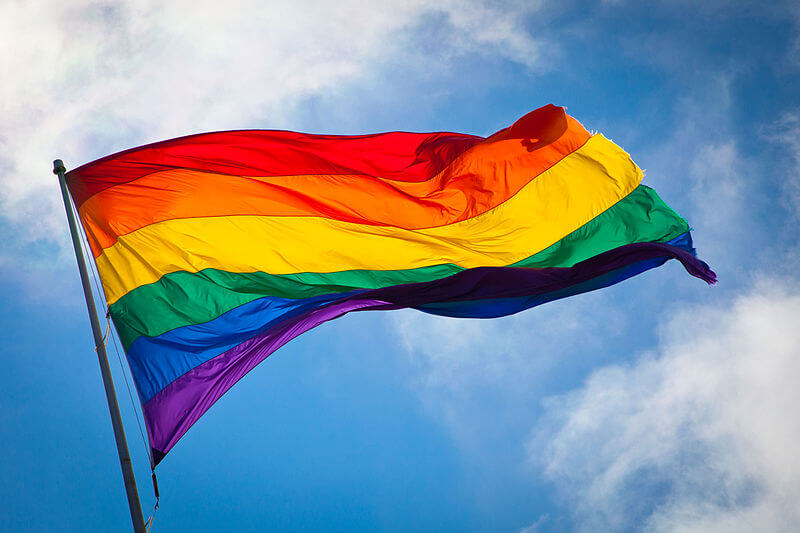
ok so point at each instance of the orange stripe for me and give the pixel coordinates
(480, 179)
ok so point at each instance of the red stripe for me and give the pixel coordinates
(401, 156)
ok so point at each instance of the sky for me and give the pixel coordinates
(659, 404)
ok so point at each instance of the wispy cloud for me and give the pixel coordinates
(537, 525)
(456, 354)
(698, 435)
(785, 133)
(483, 379)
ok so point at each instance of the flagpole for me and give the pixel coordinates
(100, 347)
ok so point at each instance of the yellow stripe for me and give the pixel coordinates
(557, 202)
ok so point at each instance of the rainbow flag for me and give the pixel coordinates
(216, 249)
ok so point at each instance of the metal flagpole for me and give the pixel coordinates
(100, 348)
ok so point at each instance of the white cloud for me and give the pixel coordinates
(700, 435)
(88, 77)
(717, 182)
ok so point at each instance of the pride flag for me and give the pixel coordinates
(216, 249)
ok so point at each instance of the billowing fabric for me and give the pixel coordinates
(216, 249)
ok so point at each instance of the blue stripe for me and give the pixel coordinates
(157, 361)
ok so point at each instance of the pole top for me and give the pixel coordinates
(58, 167)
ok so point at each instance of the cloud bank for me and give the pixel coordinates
(699, 435)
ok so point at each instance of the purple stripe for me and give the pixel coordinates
(173, 410)
(509, 282)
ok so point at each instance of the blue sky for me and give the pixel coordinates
(658, 404)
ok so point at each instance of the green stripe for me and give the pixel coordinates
(183, 298)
